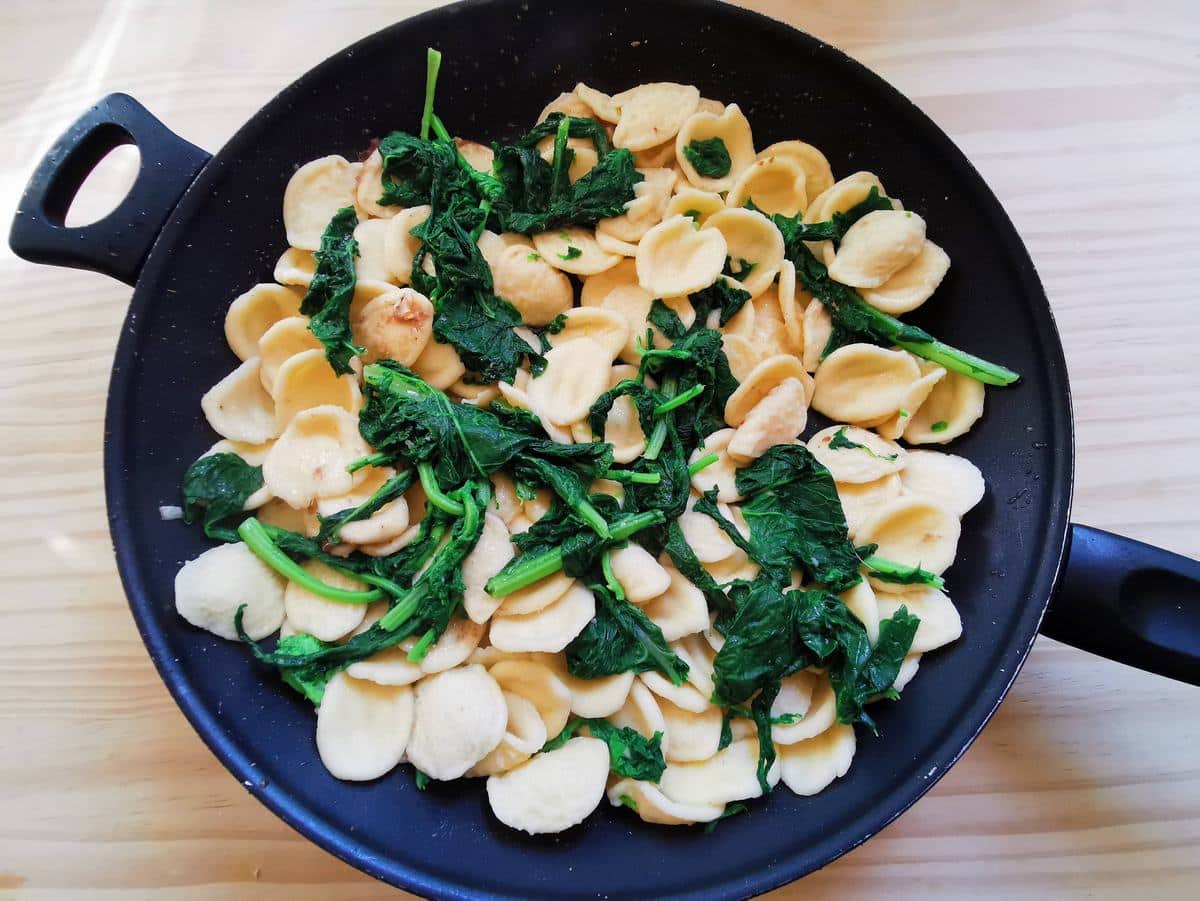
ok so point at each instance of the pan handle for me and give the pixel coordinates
(116, 245)
(1130, 602)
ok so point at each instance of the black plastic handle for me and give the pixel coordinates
(1130, 602)
(116, 245)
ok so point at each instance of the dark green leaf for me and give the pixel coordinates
(219, 485)
(327, 300)
(709, 158)
(621, 639)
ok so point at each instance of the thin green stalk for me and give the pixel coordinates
(703, 463)
(538, 566)
(377, 459)
(678, 400)
(257, 539)
(421, 648)
(610, 577)
(904, 575)
(960, 361)
(635, 478)
(591, 516)
(658, 437)
(434, 492)
(558, 178)
(408, 604)
(433, 62)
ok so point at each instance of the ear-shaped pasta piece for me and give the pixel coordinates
(439, 365)
(365, 291)
(313, 194)
(605, 108)
(371, 262)
(400, 245)
(675, 259)
(523, 737)
(322, 618)
(491, 552)
(791, 306)
(281, 342)
(774, 184)
(582, 162)
(569, 104)
(753, 244)
(649, 204)
(522, 401)
(950, 409)
(940, 622)
(763, 325)
(254, 454)
(742, 355)
(505, 502)
(819, 714)
(862, 382)
(795, 696)
(642, 577)
(654, 807)
(893, 426)
(867, 459)
(761, 381)
(390, 666)
(552, 791)
(282, 514)
(721, 475)
(460, 716)
(694, 736)
(698, 654)
(641, 713)
(609, 244)
(623, 430)
(253, 313)
(707, 540)
(911, 286)
(877, 246)
(597, 287)
(952, 482)
(239, 408)
(776, 419)
(574, 250)
(491, 245)
(685, 696)
(368, 188)
(913, 532)
(908, 670)
(210, 588)
(550, 629)
(310, 458)
(660, 156)
(818, 328)
(861, 602)
(818, 177)
(729, 775)
(606, 327)
(810, 766)
(296, 267)
(453, 646)
(652, 114)
(576, 374)
(860, 500)
(731, 127)
(478, 156)
(306, 380)
(680, 610)
(736, 567)
(837, 198)
(697, 205)
(362, 727)
(395, 326)
(600, 697)
(540, 685)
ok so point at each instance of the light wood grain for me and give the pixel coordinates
(1084, 117)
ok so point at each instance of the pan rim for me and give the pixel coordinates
(958, 736)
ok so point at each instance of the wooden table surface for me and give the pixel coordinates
(1085, 119)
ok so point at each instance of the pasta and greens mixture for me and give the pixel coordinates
(512, 462)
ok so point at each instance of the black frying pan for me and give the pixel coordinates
(195, 231)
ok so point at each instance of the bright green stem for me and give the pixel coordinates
(703, 463)
(636, 478)
(558, 178)
(962, 362)
(885, 567)
(592, 517)
(678, 400)
(372, 460)
(408, 604)
(433, 62)
(538, 566)
(434, 492)
(659, 436)
(257, 539)
(395, 589)
(421, 648)
(610, 577)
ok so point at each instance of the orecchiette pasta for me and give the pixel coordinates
(465, 577)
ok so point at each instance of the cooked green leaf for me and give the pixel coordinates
(327, 301)
(219, 485)
(841, 442)
(710, 158)
(631, 754)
